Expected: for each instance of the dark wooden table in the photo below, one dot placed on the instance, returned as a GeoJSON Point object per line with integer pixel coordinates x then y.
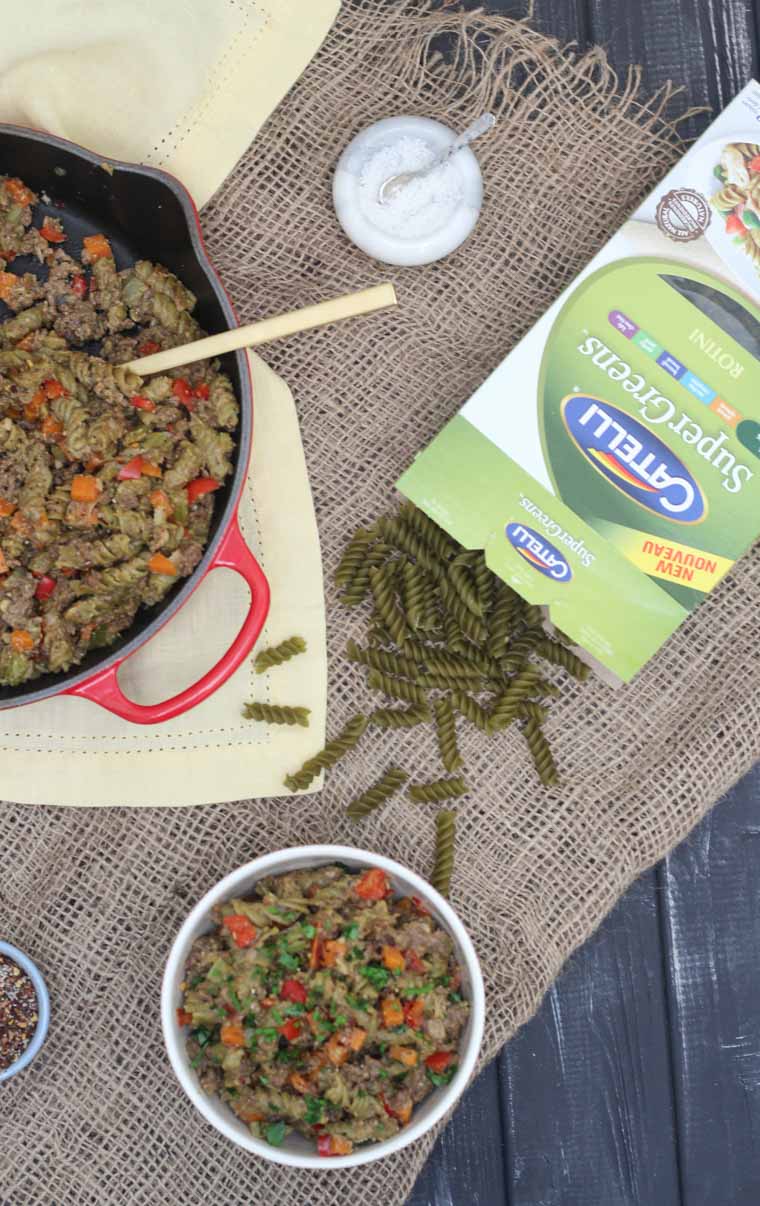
{"type": "Point", "coordinates": [638, 1083]}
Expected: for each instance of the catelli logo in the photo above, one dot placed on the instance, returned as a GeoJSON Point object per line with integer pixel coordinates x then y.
{"type": "Point", "coordinates": [538, 552]}
{"type": "Point", "coordinates": [633, 459]}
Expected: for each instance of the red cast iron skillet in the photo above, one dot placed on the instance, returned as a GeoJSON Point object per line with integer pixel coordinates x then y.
{"type": "Point", "coordinates": [145, 214]}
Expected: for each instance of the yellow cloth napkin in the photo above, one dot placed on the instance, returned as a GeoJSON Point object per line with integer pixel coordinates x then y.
{"type": "Point", "coordinates": [178, 84]}
{"type": "Point", "coordinates": [184, 87]}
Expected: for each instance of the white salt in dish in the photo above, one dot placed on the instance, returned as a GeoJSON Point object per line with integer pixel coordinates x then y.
{"type": "Point", "coordinates": [429, 218]}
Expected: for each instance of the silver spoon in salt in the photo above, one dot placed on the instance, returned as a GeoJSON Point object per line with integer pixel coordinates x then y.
{"type": "Point", "coordinates": [391, 187]}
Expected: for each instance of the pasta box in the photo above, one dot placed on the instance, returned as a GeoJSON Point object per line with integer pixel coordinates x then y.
{"type": "Point", "coordinates": [610, 465]}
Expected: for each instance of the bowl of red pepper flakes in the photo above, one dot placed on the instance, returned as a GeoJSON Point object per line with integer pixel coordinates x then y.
{"type": "Point", "coordinates": [24, 1010]}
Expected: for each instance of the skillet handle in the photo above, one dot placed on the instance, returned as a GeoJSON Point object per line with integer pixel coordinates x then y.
{"type": "Point", "coordinates": [104, 689]}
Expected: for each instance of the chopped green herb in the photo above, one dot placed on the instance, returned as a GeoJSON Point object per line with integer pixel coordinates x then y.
{"type": "Point", "coordinates": [202, 1035]}
{"type": "Point", "coordinates": [288, 961]}
{"type": "Point", "coordinates": [422, 991]}
{"type": "Point", "coordinates": [443, 981]}
{"type": "Point", "coordinates": [235, 999]}
{"type": "Point", "coordinates": [194, 1062]}
{"type": "Point", "coordinates": [315, 1107]}
{"type": "Point", "coordinates": [441, 1078]}
{"type": "Point", "coordinates": [196, 981]}
{"type": "Point", "coordinates": [378, 976]}
{"type": "Point", "coordinates": [274, 1133]}
{"type": "Point", "coordinates": [277, 1017]}
{"type": "Point", "coordinates": [264, 1080]}
{"type": "Point", "coordinates": [455, 997]}
{"type": "Point", "coordinates": [309, 930]}
{"type": "Point", "coordinates": [351, 931]}
{"type": "Point", "coordinates": [341, 1020]}
{"type": "Point", "coordinates": [293, 1009]}
{"type": "Point", "coordinates": [266, 1032]}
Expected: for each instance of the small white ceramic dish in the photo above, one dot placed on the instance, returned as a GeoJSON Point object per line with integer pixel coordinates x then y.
{"type": "Point", "coordinates": [43, 1009]}
{"type": "Point", "coordinates": [297, 1151]}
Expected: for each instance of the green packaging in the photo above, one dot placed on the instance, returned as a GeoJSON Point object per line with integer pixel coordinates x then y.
{"type": "Point", "coordinates": [610, 466]}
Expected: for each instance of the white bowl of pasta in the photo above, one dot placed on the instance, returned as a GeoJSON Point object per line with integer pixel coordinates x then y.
{"type": "Point", "coordinates": [323, 1007]}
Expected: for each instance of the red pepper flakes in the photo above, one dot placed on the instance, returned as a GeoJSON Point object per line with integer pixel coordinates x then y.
{"type": "Point", "coordinates": [18, 1012]}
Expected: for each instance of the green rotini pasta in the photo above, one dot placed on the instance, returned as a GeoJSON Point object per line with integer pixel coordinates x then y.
{"type": "Point", "coordinates": [540, 752]}
{"type": "Point", "coordinates": [277, 713]}
{"type": "Point", "coordinates": [383, 586]}
{"type": "Point", "coordinates": [441, 545]}
{"type": "Point", "coordinates": [377, 795]}
{"type": "Point", "coordinates": [395, 688]}
{"type": "Point", "coordinates": [415, 594]}
{"type": "Point", "coordinates": [335, 749]}
{"type": "Point", "coordinates": [400, 718]}
{"type": "Point", "coordinates": [464, 585]}
{"type": "Point", "coordinates": [267, 659]}
{"type": "Point", "coordinates": [445, 839]}
{"type": "Point", "coordinates": [102, 522]}
{"type": "Point", "coordinates": [520, 688]}
{"type": "Point", "coordinates": [447, 734]}
{"type": "Point", "coordinates": [381, 659]}
{"type": "Point", "coordinates": [354, 556]}
{"type": "Point", "coordinates": [472, 710]}
{"type": "Point", "coordinates": [558, 655]}
{"type": "Point", "coordinates": [437, 790]}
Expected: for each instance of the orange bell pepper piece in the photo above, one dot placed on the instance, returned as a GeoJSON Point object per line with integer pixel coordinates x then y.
{"type": "Point", "coordinates": [159, 564]}
{"type": "Point", "coordinates": [85, 488]}
{"type": "Point", "coordinates": [405, 1055]}
{"type": "Point", "coordinates": [232, 1034]}
{"type": "Point", "coordinates": [392, 1011]}
{"type": "Point", "coordinates": [6, 507]}
{"type": "Point", "coordinates": [97, 247]}
{"type": "Point", "coordinates": [8, 280]}
{"type": "Point", "coordinates": [333, 950]}
{"type": "Point", "coordinates": [393, 959]}
{"type": "Point", "coordinates": [51, 427]}
{"type": "Point", "coordinates": [34, 406]}
{"type": "Point", "coordinates": [21, 641]}
{"type": "Point", "coordinates": [357, 1038]}
{"type": "Point", "coordinates": [18, 191]}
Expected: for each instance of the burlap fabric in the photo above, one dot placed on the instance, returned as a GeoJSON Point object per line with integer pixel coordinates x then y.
{"type": "Point", "coordinates": [97, 896]}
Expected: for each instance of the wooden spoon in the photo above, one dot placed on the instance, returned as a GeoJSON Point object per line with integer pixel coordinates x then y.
{"type": "Point", "coordinates": [351, 305]}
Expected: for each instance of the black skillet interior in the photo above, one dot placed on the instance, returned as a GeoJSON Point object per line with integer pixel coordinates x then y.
{"type": "Point", "coordinates": [143, 217]}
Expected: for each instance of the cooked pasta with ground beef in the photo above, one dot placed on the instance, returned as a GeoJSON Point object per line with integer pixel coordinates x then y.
{"type": "Point", "coordinates": [107, 480]}
{"type": "Point", "coordinates": [323, 1005]}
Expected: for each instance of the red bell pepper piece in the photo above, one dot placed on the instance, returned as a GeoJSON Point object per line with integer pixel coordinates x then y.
{"type": "Point", "coordinates": [141, 403]}
{"type": "Point", "coordinates": [131, 470]}
{"type": "Point", "coordinates": [293, 990]}
{"type": "Point", "coordinates": [45, 587]}
{"type": "Point", "coordinates": [183, 392]}
{"type": "Point", "coordinates": [439, 1061]}
{"type": "Point", "coordinates": [372, 885]}
{"type": "Point", "coordinates": [202, 390]}
{"type": "Point", "coordinates": [413, 961]}
{"type": "Point", "coordinates": [242, 929]}
{"type": "Point", "coordinates": [79, 285]}
{"type": "Point", "coordinates": [183, 1017]}
{"type": "Point", "coordinates": [414, 1012]}
{"type": "Point", "coordinates": [149, 347]}
{"type": "Point", "coordinates": [51, 232]}
{"type": "Point", "coordinates": [202, 485]}
{"type": "Point", "coordinates": [290, 1030]}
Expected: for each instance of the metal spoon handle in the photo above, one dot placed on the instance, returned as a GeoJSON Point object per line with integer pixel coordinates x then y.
{"type": "Point", "coordinates": [481, 125]}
